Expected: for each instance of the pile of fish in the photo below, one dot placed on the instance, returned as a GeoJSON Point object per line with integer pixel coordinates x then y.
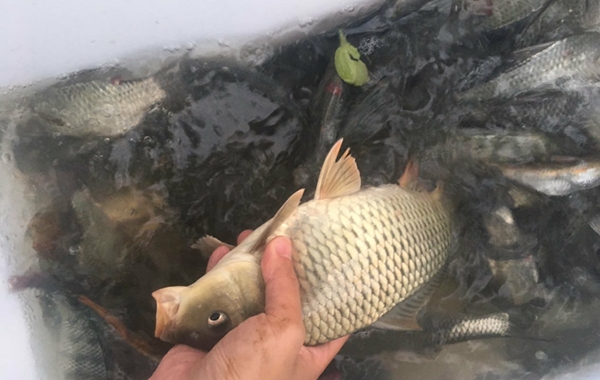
{"type": "Point", "coordinates": [463, 206]}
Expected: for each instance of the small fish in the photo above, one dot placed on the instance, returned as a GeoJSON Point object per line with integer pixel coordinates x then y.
{"type": "Point", "coordinates": [497, 14]}
{"type": "Point", "coordinates": [329, 109]}
{"type": "Point", "coordinates": [573, 111]}
{"type": "Point", "coordinates": [561, 177]}
{"type": "Point", "coordinates": [576, 57]}
{"type": "Point", "coordinates": [560, 18]}
{"type": "Point", "coordinates": [438, 329]}
{"type": "Point", "coordinates": [460, 328]}
{"type": "Point", "coordinates": [79, 349]}
{"type": "Point", "coordinates": [357, 254]}
{"type": "Point", "coordinates": [497, 147]}
{"type": "Point", "coordinates": [97, 108]}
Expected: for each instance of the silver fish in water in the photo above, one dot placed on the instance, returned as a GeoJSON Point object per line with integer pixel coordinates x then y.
{"type": "Point", "coordinates": [497, 14]}
{"type": "Point", "coordinates": [573, 57]}
{"type": "Point", "coordinates": [560, 18]}
{"type": "Point", "coordinates": [497, 147]}
{"type": "Point", "coordinates": [438, 330]}
{"type": "Point", "coordinates": [357, 254]}
{"type": "Point", "coordinates": [556, 178]}
{"type": "Point", "coordinates": [97, 108]}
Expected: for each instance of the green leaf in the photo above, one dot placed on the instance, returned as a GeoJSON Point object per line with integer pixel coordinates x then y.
{"type": "Point", "coordinates": [348, 64]}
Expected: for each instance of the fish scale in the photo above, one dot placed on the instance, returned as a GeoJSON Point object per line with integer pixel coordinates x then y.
{"type": "Point", "coordinates": [575, 56]}
{"type": "Point", "coordinates": [97, 107]}
{"type": "Point", "coordinates": [392, 241]}
{"type": "Point", "coordinates": [358, 253]}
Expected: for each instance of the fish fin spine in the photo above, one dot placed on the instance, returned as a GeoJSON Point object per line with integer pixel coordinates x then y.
{"type": "Point", "coordinates": [207, 245]}
{"type": "Point", "coordinates": [281, 216]}
{"type": "Point", "coordinates": [338, 177]}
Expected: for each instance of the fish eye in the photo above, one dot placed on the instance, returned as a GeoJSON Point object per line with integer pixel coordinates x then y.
{"type": "Point", "coordinates": [217, 318]}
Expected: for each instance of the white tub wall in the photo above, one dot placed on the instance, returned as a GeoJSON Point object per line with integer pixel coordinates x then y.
{"type": "Point", "coordinates": [44, 39]}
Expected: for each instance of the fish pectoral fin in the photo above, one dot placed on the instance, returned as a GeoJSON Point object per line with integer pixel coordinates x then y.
{"type": "Point", "coordinates": [167, 305]}
{"type": "Point", "coordinates": [338, 178]}
{"type": "Point", "coordinates": [284, 212]}
{"type": "Point", "coordinates": [404, 316]}
{"type": "Point", "coordinates": [410, 179]}
{"type": "Point", "coordinates": [207, 245]}
{"type": "Point", "coordinates": [397, 323]}
{"type": "Point", "coordinates": [410, 176]}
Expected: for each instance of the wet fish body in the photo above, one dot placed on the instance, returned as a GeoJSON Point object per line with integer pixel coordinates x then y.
{"type": "Point", "coordinates": [358, 253]}
{"type": "Point", "coordinates": [560, 18]}
{"type": "Point", "coordinates": [497, 14]}
{"type": "Point", "coordinates": [78, 339]}
{"type": "Point", "coordinates": [574, 57]}
{"type": "Point", "coordinates": [460, 328]}
{"type": "Point", "coordinates": [438, 330]}
{"type": "Point", "coordinates": [558, 178]}
{"type": "Point", "coordinates": [329, 110]}
{"type": "Point", "coordinates": [497, 147]}
{"type": "Point", "coordinates": [97, 108]}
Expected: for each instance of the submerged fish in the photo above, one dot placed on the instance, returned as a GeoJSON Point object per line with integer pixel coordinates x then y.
{"type": "Point", "coordinates": [97, 107]}
{"type": "Point", "coordinates": [560, 18]}
{"type": "Point", "coordinates": [497, 14]}
{"type": "Point", "coordinates": [498, 147]}
{"type": "Point", "coordinates": [357, 253]}
{"type": "Point", "coordinates": [556, 178]}
{"type": "Point", "coordinates": [576, 56]}
{"type": "Point", "coordinates": [329, 110]}
{"type": "Point", "coordinates": [574, 111]}
{"type": "Point", "coordinates": [438, 330]}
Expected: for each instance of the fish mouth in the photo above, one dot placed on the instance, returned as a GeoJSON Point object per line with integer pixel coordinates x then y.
{"type": "Point", "coordinates": [167, 305]}
{"type": "Point", "coordinates": [162, 322]}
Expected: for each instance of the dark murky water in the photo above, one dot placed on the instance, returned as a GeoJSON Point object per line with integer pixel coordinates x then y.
{"type": "Point", "coordinates": [115, 217]}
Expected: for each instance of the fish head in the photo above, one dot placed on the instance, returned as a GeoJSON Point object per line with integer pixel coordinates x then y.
{"type": "Point", "coordinates": [201, 314]}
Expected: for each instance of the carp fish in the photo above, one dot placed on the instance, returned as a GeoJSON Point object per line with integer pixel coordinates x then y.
{"type": "Point", "coordinates": [363, 256]}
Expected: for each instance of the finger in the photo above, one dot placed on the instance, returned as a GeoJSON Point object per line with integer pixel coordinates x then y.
{"type": "Point", "coordinates": [282, 298]}
{"type": "Point", "coordinates": [243, 235]}
{"type": "Point", "coordinates": [177, 363]}
{"type": "Point", "coordinates": [319, 357]}
{"type": "Point", "coordinates": [216, 256]}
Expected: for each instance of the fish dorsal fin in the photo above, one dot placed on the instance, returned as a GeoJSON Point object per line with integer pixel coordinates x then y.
{"type": "Point", "coordinates": [207, 245]}
{"type": "Point", "coordinates": [284, 212]}
{"type": "Point", "coordinates": [167, 305]}
{"type": "Point", "coordinates": [338, 178]}
{"type": "Point", "coordinates": [404, 315]}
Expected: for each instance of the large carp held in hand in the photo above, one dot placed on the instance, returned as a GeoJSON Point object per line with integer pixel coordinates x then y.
{"type": "Point", "coordinates": [370, 256]}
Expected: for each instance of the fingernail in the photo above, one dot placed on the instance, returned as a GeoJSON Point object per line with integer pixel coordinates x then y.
{"type": "Point", "coordinates": [282, 248]}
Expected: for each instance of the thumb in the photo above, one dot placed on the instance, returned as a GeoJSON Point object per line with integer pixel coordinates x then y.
{"type": "Point", "coordinates": [281, 284]}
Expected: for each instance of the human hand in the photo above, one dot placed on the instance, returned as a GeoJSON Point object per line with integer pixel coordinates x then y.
{"type": "Point", "coordinates": [267, 346]}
